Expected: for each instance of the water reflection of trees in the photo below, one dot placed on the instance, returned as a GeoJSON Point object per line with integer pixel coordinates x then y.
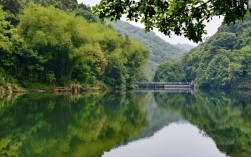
{"type": "Point", "coordinates": [50, 125]}
{"type": "Point", "coordinates": [226, 117]}
{"type": "Point", "coordinates": [88, 125]}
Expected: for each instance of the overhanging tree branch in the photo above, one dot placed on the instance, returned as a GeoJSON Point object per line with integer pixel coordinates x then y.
{"type": "Point", "coordinates": [183, 17]}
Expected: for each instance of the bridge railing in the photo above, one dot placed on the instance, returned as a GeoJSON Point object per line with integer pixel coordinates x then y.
{"type": "Point", "coordinates": [163, 83]}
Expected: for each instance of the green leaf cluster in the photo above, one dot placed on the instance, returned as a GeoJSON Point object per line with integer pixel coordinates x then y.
{"type": "Point", "coordinates": [183, 17]}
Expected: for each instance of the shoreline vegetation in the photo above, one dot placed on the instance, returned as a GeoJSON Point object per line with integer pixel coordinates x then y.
{"type": "Point", "coordinates": [50, 47]}
{"type": "Point", "coordinates": [67, 89]}
{"type": "Point", "coordinates": [78, 89]}
{"type": "Point", "coordinates": [72, 89]}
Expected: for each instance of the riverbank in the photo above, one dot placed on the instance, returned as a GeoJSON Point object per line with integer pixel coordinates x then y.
{"type": "Point", "coordinates": [73, 88]}
{"type": "Point", "coordinates": [76, 88]}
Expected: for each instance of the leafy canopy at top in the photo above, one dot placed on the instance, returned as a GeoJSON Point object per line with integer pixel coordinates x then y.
{"type": "Point", "coordinates": [183, 17]}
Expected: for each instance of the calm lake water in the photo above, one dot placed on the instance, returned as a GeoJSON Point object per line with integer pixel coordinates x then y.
{"type": "Point", "coordinates": [130, 124]}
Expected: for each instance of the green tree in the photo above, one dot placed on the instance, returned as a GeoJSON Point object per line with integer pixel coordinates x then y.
{"type": "Point", "coordinates": [61, 4]}
{"type": "Point", "coordinates": [69, 48]}
{"type": "Point", "coordinates": [217, 71]}
{"type": "Point", "coordinates": [224, 40]}
{"type": "Point", "coordinates": [85, 12]}
{"type": "Point", "coordinates": [169, 72]}
{"type": "Point", "coordinates": [58, 38]}
{"type": "Point", "coordinates": [15, 57]}
{"type": "Point", "coordinates": [178, 16]}
{"type": "Point", "coordinates": [13, 8]}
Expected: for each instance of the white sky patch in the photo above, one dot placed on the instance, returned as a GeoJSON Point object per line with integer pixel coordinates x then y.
{"type": "Point", "coordinates": [89, 2]}
{"type": "Point", "coordinates": [211, 27]}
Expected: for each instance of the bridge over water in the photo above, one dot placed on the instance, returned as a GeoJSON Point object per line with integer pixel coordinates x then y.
{"type": "Point", "coordinates": [165, 85]}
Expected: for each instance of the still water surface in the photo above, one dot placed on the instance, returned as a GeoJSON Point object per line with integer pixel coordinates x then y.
{"type": "Point", "coordinates": [131, 124]}
{"type": "Point", "coordinates": [176, 139]}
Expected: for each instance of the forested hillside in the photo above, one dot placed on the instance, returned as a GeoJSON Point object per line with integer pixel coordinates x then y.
{"type": "Point", "coordinates": [41, 44]}
{"type": "Point", "coordinates": [161, 51]}
{"type": "Point", "coordinates": [224, 61]}
{"type": "Point", "coordinates": [185, 47]}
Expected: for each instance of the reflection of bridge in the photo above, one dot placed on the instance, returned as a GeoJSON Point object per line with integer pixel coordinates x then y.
{"type": "Point", "coordinates": [165, 85]}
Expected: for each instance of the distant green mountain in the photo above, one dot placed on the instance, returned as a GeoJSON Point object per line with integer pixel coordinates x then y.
{"type": "Point", "coordinates": [161, 51]}
{"type": "Point", "coordinates": [185, 47]}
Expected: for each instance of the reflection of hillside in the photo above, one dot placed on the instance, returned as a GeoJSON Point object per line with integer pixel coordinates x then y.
{"type": "Point", "coordinates": [42, 124]}
{"type": "Point", "coordinates": [223, 116]}
{"type": "Point", "coordinates": [57, 125]}
{"type": "Point", "coordinates": [49, 125]}
{"type": "Point", "coordinates": [157, 117]}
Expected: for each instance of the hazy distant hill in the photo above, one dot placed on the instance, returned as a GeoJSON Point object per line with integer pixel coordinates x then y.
{"type": "Point", "coordinates": [161, 50]}
{"type": "Point", "coordinates": [185, 47]}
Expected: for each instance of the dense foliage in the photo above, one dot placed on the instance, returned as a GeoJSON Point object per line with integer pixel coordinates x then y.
{"type": "Point", "coordinates": [161, 51]}
{"type": "Point", "coordinates": [14, 7]}
{"type": "Point", "coordinates": [57, 47]}
{"type": "Point", "coordinates": [171, 71]}
{"type": "Point", "coordinates": [223, 61]}
{"type": "Point", "coordinates": [182, 17]}
{"type": "Point", "coordinates": [10, 48]}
